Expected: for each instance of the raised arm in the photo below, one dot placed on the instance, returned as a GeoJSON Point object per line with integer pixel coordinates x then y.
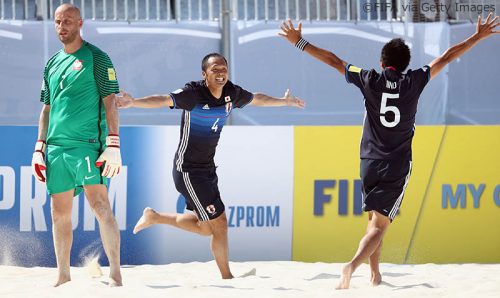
{"type": "Point", "coordinates": [483, 31]}
{"type": "Point", "coordinates": [263, 100]}
{"type": "Point", "coordinates": [152, 101]}
{"type": "Point", "coordinates": [294, 36]}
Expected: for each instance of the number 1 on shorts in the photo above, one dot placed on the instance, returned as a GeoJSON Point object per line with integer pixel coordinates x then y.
{"type": "Point", "coordinates": [88, 162]}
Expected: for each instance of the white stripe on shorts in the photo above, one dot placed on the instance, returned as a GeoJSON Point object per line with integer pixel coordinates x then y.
{"type": "Point", "coordinates": [395, 208]}
{"type": "Point", "coordinates": [199, 207]}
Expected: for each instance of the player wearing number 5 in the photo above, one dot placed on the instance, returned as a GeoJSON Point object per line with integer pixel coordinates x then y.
{"type": "Point", "coordinates": [79, 129]}
{"type": "Point", "coordinates": [206, 104]}
{"type": "Point", "coordinates": [391, 98]}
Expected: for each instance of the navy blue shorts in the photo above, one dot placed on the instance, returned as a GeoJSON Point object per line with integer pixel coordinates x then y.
{"type": "Point", "coordinates": [383, 184]}
{"type": "Point", "coordinates": [200, 189]}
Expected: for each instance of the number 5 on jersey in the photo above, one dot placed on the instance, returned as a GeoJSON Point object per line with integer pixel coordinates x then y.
{"type": "Point", "coordinates": [384, 108]}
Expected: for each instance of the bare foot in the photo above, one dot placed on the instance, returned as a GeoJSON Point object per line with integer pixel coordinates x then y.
{"type": "Point", "coordinates": [230, 276]}
{"type": "Point", "coordinates": [115, 279]}
{"type": "Point", "coordinates": [376, 279]}
{"type": "Point", "coordinates": [345, 278]}
{"type": "Point", "coordinates": [145, 221]}
{"type": "Point", "coordinates": [62, 279]}
{"type": "Point", "coordinates": [115, 282]}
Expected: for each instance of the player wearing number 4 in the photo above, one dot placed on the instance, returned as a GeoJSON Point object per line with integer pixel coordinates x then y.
{"type": "Point", "coordinates": [206, 104]}
{"type": "Point", "coordinates": [391, 99]}
{"type": "Point", "coordinates": [78, 92]}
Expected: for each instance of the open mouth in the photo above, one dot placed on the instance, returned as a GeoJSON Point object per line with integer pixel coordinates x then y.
{"type": "Point", "coordinates": [220, 80]}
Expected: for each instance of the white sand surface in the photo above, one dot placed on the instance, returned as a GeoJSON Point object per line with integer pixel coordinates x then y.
{"type": "Point", "coordinates": [272, 279]}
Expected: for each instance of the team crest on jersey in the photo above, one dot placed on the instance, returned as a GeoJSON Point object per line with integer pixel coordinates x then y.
{"type": "Point", "coordinates": [78, 64]}
{"type": "Point", "coordinates": [211, 209]}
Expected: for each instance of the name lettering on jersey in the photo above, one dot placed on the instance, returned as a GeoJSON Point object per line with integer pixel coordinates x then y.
{"type": "Point", "coordinates": [77, 65]}
{"type": "Point", "coordinates": [391, 85]}
{"type": "Point", "coordinates": [206, 107]}
{"type": "Point", "coordinates": [111, 74]}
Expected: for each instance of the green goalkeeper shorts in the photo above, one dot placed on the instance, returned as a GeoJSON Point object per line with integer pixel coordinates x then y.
{"type": "Point", "coordinates": [72, 168]}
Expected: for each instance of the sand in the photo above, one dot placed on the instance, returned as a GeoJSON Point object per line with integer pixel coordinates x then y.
{"type": "Point", "coordinates": [271, 279]}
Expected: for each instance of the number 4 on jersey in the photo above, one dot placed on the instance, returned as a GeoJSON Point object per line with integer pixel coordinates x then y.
{"type": "Point", "coordinates": [215, 126]}
{"type": "Point", "coordinates": [384, 108]}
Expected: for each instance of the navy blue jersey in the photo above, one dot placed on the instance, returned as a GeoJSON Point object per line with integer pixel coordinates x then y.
{"type": "Point", "coordinates": [203, 118]}
{"type": "Point", "coordinates": [391, 100]}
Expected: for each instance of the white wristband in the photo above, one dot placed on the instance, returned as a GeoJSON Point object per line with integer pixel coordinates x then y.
{"type": "Point", "coordinates": [40, 146]}
{"type": "Point", "coordinates": [301, 44]}
{"type": "Point", "coordinates": [113, 141]}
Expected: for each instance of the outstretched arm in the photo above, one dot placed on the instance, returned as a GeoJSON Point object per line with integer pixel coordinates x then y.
{"type": "Point", "coordinates": [263, 100]}
{"type": "Point", "coordinates": [483, 31]}
{"type": "Point", "coordinates": [152, 101]}
{"type": "Point", "coordinates": [294, 36]}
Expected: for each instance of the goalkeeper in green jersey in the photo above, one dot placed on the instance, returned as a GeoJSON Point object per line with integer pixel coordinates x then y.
{"type": "Point", "coordinates": [78, 145]}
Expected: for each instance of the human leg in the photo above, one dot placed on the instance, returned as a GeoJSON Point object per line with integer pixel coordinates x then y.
{"type": "Point", "coordinates": [367, 246]}
{"type": "Point", "coordinates": [220, 245]}
{"type": "Point", "coordinates": [188, 222]}
{"type": "Point", "coordinates": [97, 196]}
{"type": "Point", "coordinates": [376, 277]}
{"type": "Point", "coordinates": [61, 205]}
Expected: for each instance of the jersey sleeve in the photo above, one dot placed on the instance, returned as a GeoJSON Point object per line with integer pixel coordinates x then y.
{"type": "Point", "coordinates": [45, 92]}
{"type": "Point", "coordinates": [358, 76]}
{"type": "Point", "coordinates": [184, 98]}
{"type": "Point", "coordinates": [420, 78]}
{"type": "Point", "coordinates": [241, 97]}
{"type": "Point", "coordinates": [105, 75]}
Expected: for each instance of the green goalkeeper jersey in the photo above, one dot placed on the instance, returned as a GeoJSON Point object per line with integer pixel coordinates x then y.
{"type": "Point", "coordinates": [74, 86]}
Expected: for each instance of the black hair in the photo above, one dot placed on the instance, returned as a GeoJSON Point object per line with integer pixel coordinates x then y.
{"type": "Point", "coordinates": [204, 62]}
{"type": "Point", "coordinates": [396, 53]}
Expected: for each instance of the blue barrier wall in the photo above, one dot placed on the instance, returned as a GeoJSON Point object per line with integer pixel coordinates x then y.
{"type": "Point", "coordinates": [259, 218]}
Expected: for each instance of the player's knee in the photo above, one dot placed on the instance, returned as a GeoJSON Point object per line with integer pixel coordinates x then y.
{"type": "Point", "coordinates": [380, 221]}
{"type": "Point", "coordinates": [60, 212]}
{"type": "Point", "coordinates": [378, 230]}
{"type": "Point", "coordinates": [205, 230]}
{"type": "Point", "coordinates": [59, 215]}
{"type": "Point", "coordinates": [219, 225]}
{"type": "Point", "coordinates": [102, 211]}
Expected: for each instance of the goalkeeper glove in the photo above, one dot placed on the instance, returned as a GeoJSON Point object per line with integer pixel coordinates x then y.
{"type": "Point", "coordinates": [111, 157]}
{"type": "Point", "coordinates": [38, 161]}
